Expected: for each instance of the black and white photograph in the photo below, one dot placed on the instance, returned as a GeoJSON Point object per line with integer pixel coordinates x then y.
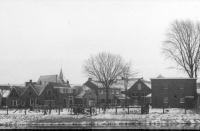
{"type": "Point", "coordinates": [100, 64]}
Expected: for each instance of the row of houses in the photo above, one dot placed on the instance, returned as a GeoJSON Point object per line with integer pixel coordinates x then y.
{"type": "Point", "coordinates": [54, 90]}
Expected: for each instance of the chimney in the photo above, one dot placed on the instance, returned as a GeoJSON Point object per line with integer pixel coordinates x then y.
{"type": "Point", "coordinates": [89, 79]}
{"type": "Point", "coordinates": [30, 81]}
{"type": "Point", "coordinates": [67, 82]}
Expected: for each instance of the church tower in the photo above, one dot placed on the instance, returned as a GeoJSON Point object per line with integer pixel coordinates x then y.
{"type": "Point", "coordinates": [61, 75]}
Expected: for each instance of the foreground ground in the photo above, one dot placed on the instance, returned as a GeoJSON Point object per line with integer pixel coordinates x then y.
{"type": "Point", "coordinates": [155, 116]}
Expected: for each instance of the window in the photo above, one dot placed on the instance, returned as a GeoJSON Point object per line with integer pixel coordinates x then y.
{"type": "Point", "coordinates": [135, 96]}
{"type": "Point", "coordinates": [182, 100]}
{"type": "Point", "coordinates": [22, 102]}
{"type": "Point", "coordinates": [165, 85]}
{"type": "Point", "coordinates": [181, 86]}
{"type": "Point", "coordinates": [144, 96]}
{"type": "Point", "coordinates": [36, 101]}
{"type": "Point", "coordinates": [112, 91]}
{"type": "Point", "coordinates": [100, 91]}
{"type": "Point", "coordinates": [49, 92]}
{"type": "Point", "coordinates": [15, 102]}
{"type": "Point", "coordinates": [117, 91]}
{"type": "Point", "coordinates": [165, 99]}
{"type": "Point", "coordinates": [31, 101]}
{"type": "Point", "coordinates": [63, 90]}
{"type": "Point", "coordinates": [69, 90]}
{"type": "Point", "coordinates": [11, 103]}
{"type": "Point", "coordinates": [139, 87]}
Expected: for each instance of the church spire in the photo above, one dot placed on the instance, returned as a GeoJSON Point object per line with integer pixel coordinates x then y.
{"type": "Point", "coordinates": [61, 75]}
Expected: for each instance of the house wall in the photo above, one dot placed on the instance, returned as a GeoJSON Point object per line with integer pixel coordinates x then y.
{"type": "Point", "coordinates": [58, 95]}
{"type": "Point", "coordinates": [89, 95]}
{"type": "Point", "coordinates": [13, 96]}
{"type": "Point", "coordinates": [173, 93]}
{"type": "Point", "coordinates": [134, 88]}
{"type": "Point", "coordinates": [44, 96]}
{"type": "Point", "coordinates": [110, 96]}
{"type": "Point", "coordinates": [27, 96]}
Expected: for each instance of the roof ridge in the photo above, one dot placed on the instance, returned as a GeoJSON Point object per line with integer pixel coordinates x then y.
{"type": "Point", "coordinates": [49, 75]}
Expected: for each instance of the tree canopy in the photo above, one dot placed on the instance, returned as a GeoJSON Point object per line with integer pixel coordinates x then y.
{"type": "Point", "coordinates": [182, 46]}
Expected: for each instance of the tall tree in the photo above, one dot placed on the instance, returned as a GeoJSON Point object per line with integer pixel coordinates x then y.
{"type": "Point", "coordinates": [127, 73]}
{"type": "Point", "coordinates": [105, 68]}
{"type": "Point", "coordinates": [182, 46]}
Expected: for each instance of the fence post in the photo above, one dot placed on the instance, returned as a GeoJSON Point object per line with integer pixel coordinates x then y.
{"type": "Point", "coordinates": [128, 109]}
{"type": "Point", "coordinates": [7, 109]}
{"type": "Point", "coordinates": [59, 111]}
{"type": "Point", "coordinates": [185, 108]}
{"type": "Point", "coordinates": [163, 107]}
{"type": "Point", "coordinates": [116, 110]}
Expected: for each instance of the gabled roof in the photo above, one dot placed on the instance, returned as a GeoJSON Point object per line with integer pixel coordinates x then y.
{"type": "Point", "coordinates": [19, 89]}
{"type": "Point", "coordinates": [60, 85]}
{"type": "Point", "coordinates": [119, 84]}
{"type": "Point", "coordinates": [81, 94]}
{"type": "Point", "coordinates": [91, 85]}
{"type": "Point", "coordinates": [147, 83]}
{"type": "Point", "coordinates": [5, 93]}
{"type": "Point", "coordinates": [32, 86]}
{"type": "Point", "coordinates": [160, 76]}
{"type": "Point", "coordinates": [132, 82]}
{"type": "Point", "coordinates": [50, 78]}
{"type": "Point", "coordinates": [5, 87]}
{"type": "Point", "coordinates": [38, 88]}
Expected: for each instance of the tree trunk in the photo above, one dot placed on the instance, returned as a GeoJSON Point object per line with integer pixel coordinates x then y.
{"type": "Point", "coordinates": [106, 102]}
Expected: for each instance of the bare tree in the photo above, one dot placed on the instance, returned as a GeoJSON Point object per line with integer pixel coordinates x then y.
{"type": "Point", "coordinates": [105, 68]}
{"type": "Point", "coordinates": [127, 73]}
{"type": "Point", "coordinates": [182, 46]}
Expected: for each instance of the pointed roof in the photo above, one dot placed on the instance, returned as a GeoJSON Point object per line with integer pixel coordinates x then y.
{"type": "Point", "coordinates": [50, 78]}
{"type": "Point", "coordinates": [5, 93]}
{"type": "Point", "coordinates": [60, 85]}
{"type": "Point", "coordinates": [19, 89]}
{"type": "Point", "coordinates": [38, 88]}
{"type": "Point", "coordinates": [61, 75]}
{"type": "Point", "coordinates": [81, 94]}
{"type": "Point", "coordinates": [160, 76]}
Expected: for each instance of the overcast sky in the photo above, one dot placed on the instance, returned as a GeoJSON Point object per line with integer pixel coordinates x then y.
{"type": "Point", "coordinates": [38, 36]}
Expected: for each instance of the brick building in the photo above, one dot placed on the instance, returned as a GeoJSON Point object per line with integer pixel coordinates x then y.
{"type": "Point", "coordinates": [137, 90]}
{"type": "Point", "coordinates": [115, 95]}
{"type": "Point", "coordinates": [173, 92]}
